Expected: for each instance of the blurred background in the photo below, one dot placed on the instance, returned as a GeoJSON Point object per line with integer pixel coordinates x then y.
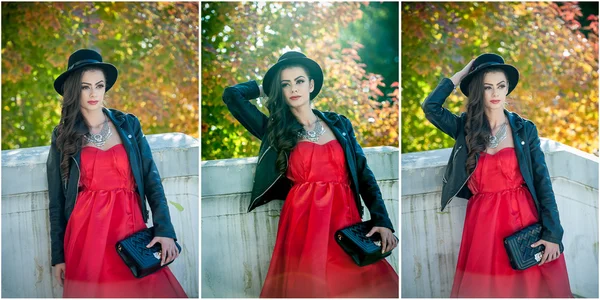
{"type": "Point", "coordinates": [153, 45]}
{"type": "Point", "coordinates": [554, 46]}
{"type": "Point", "coordinates": [356, 44]}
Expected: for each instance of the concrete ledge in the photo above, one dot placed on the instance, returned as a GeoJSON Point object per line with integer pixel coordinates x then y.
{"type": "Point", "coordinates": [228, 176]}
{"type": "Point", "coordinates": [422, 171]}
{"type": "Point", "coordinates": [173, 154]}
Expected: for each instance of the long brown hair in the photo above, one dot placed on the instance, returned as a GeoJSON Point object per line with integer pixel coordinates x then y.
{"type": "Point", "coordinates": [72, 127]}
{"type": "Point", "coordinates": [477, 128]}
{"type": "Point", "coordinates": [283, 127]}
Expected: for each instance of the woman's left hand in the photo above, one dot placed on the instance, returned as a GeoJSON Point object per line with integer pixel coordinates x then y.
{"type": "Point", "coordinates": [388, 240]}
{"type": "Point", "coordinates": [551, 251]}
{"type": "Point", "coordinates": [169, 251]}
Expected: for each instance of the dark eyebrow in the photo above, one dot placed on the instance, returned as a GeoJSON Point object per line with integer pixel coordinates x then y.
{"type": "Point", "coordinates": [90, 83]}
{"type": "Point", "coordinates": [496, 84]}
{"type": "Point", "coordinates": [294, 79]}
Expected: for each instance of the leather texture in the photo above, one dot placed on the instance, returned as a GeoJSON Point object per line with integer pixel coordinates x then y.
{"type": "Point", "coordinates": [142, 261]}
{"type": "Point", "coordinates": [147, 179]}
{"type": "Point", "coordinates": [363, 250]}
{"type": "Point", "coordinates": [518, 246]}
{"type": "Point", "coordinates": [530, 156]}
{"type": "Point", "coordinates": [270, 184]}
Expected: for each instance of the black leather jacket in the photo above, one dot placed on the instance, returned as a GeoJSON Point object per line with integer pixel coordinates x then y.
{"type": "Point", "coordinates": [530, 157]}
{"type": "Point", "coordinates": [149, 186]}
{"type": "Point", "coordinates": [270, 184]}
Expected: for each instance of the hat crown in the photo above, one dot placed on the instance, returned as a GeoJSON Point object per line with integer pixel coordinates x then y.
{"type": "Point", "coordinates": [84, 54]}
{"type": "Point", "coordinates": [291, 54]}
{"type": "Point", "coordinates": [486, 59]}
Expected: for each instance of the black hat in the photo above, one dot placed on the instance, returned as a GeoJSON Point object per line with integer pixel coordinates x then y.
{"type": "Point", "coordinates": [293, 58]}
{"type": "Point", "coordinates": [85, 58]}
{"type": "Point", "coordinates": [490, 60]}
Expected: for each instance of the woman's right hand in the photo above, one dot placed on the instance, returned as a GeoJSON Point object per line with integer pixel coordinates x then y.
{"type": "Point", "coordinates": [59, 273]}
{"type": "Point", "coordinates": [458, 77]}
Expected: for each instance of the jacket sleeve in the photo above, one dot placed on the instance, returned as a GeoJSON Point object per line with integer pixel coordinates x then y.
{"type": "Point", "coordinates": [552, 230]}
{"type": "Point", "coordinates": [367, 184]}
{"type": "Point", "coordinates": [56, 206]}
{"type": "Point", "coordinates": [439, 116]}
{"type": "Point", "coordinates": [237, 100]}
{"type": "Point", "coordinates": [153, 187]}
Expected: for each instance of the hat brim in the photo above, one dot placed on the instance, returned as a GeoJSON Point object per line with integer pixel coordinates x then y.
{"type": "Point", "coordinates": [110, 72]}
{"type": "Point", "coordinates": [511, 72]}
{"type": "Point", "coordinates": [316, 73]}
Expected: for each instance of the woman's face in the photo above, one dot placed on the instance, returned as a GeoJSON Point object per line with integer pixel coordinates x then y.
{"type": "Point", "coordinates": [495, 88]}
{"type": "Point", "coordinates": [296, 86]}
{"type": "Point", "coordinates": [93, 86]}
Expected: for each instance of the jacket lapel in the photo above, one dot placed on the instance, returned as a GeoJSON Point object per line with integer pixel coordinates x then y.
{"type": "Point", "coordinates": [342, 136]}
{"type": "Point", "coordinates": [516, 124]}
{"type": "Point", "coordinates": [339, 135]}
{"type": "Point", "coordinates": [129, 147]}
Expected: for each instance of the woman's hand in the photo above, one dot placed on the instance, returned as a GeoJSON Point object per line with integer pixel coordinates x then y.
{"type": "Point", "coordinates": [388, 241]}
{"type": "Point", "coordinates": [458, 77]}
{"type": "Point", "coordinates": [551, 251]}
{"type": "Point", "coordinates": [59, 273]}
{"type": "Point", "coordinates": [169, 251]}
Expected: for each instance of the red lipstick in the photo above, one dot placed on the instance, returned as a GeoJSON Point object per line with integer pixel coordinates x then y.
{"type": "Point", "coordinates": [294, 97]}
{"type": "Point", "coordinates": [495, 101]}
{"type": "Point", "coordinates": [93, 102]}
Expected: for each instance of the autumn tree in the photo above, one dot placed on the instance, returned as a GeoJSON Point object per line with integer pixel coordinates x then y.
{"type": "Point", "coordinates": [240, 41]}
{"type": "Point", "coordinates": [558, 65]}
{"type": "Point", "coordinates": [153, 45]}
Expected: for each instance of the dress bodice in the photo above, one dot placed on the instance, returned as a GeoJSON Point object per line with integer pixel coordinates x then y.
{"type": "Point", "coordinates": [105, 170]}
{"type": "Point", "coordinates": [310, 162]}
{"type": "Point", "coordinates": [497, 172]}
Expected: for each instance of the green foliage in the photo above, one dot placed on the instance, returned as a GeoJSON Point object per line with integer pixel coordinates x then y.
{"type": "Point", "coordinates": [154, 46]}
{"type": "Point", "coordinates": [241, 40]}
{"type": "Point", "coordinates": [558, 89]}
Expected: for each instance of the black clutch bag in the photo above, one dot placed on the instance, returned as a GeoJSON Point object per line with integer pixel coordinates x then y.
{"type": "Point", "coordinates": [363, 250]}
{"type": "Point", "coordinates": [141, 261]}
{"type": "Point", "coordinates": [518, 247]}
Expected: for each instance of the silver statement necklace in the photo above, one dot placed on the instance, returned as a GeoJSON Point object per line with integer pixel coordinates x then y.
{"type": "Point", "coordinates": [495, 140]}
{"type": "Point", "coordinates": [99, 139]}
{"type": "Point", "coordinates": [312, 135]}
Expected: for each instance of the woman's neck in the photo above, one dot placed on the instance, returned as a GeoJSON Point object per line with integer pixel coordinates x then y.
{"type": "Point", "coordinates": [94, 118]}
{"type": "Point", "coordinates": [304, 115]}
{"type": "Point", "coordinates": [496, 117]}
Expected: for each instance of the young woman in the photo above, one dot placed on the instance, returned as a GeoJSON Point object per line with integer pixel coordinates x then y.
{"type": "Point", "coordinates": [497, 164]}
{"type": "Point", "coordinates": [100, 170]}
{"type": "Point", "coordinates": [313, 161]}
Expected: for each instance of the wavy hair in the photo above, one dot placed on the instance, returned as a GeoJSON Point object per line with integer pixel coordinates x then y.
{"type": "Point", "coordinates": [477, 128]}
{"type": "Point", "coordinates": [72, 127]}
{"type": "Point", "coordinates": [283, 127]}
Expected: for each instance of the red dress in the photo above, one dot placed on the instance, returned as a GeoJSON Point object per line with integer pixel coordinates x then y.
{"type": "Point", "coordinates": [307, 261]}
{"type": "Point", "coordinates": [501, 205]}
{"type": "Point", "coordinates": [106, 211]}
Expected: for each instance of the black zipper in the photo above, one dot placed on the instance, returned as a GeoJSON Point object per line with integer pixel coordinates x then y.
{"type": "Point", "coordinates": [458, 191]}
{"type": "Point", "coordinates": [286, 166]}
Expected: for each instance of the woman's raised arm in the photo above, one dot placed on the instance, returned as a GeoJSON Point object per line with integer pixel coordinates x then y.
{"type": "Point", "coordinates": [237, 100]}
{"type": "Point", "coordinates": [439, 116]}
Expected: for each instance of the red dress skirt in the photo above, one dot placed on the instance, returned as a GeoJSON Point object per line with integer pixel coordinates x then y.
{"type": "Point", "coordinates": [307, 261]}
{"type": "Point", "coordinates": [501, 205]}
{"type": "Point", "coordinates": [106, 211]}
